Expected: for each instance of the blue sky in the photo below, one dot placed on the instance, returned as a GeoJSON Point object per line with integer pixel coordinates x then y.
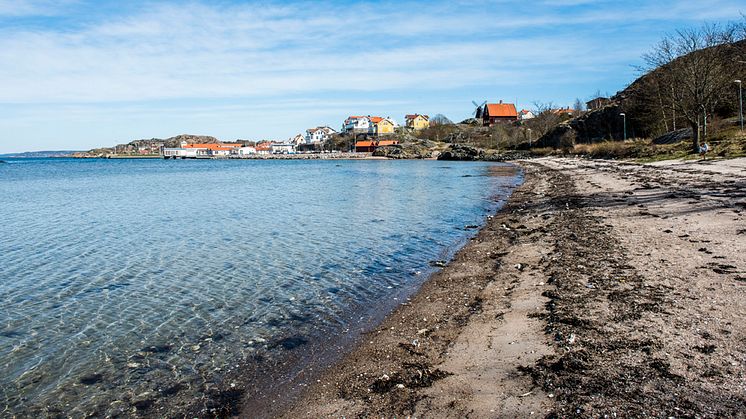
{"type": "Point", "coordinates": [81, 74]}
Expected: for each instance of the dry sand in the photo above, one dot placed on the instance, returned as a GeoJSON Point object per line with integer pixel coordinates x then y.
{"type": "Point", "coordinates": [602, 288]}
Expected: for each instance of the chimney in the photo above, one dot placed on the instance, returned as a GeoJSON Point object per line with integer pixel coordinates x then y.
{"type": "Point", "coordinates": [501, 102]}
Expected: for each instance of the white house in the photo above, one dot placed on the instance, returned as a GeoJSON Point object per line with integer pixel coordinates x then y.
{"type": "Point", "coordinates": [525, 114]}
{"type": "Point", "coordinates": [297, 140]}
{"type": "Point", "coordinates": [246, 151]}
{"type": "Point", "coordinates": [282, 148]}
{"type": "Point", "coordinates": [179, 153]}
{"type": "Point", "coordinates": [356, 124]}
{"type": "Point", "coordinates": [219, 151]}
{"type": "Point", "coordinates": [318, 134]}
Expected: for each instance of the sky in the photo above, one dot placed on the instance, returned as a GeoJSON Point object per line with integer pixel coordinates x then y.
{"type": "Point", "coordinates": [78, 74]}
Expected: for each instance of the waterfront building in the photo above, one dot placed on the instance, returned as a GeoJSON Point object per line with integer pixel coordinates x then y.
{"type": "Point", "coordinates": [178, 153]}
{"type": "Point", "coordinates": [371, 146]}
{"type": "Point", "coordinates": [264, 147]}
{"type": "Point", "coordinates": [245, 151]}
{"type": "Point", "coordinates": [282, 149]}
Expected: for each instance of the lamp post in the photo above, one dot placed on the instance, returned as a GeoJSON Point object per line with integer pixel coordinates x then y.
{"type": "Point", "coordinates": [624, 124]}
{"type": "Point", "coordinates": [529, 137]}
{"type": "Point", "coordinates": [740, 103]}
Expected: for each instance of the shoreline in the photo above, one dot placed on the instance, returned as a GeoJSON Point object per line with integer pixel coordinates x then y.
{"type": "Point", "coordinates": [279, 375]}
{"type": "Point", "coordinates": [571, 300]}
{"type": "Point", "coordinates": [407, 346]}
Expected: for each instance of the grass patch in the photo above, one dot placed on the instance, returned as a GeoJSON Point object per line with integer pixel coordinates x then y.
{"type": "Point", "coordinates": [726, 143]}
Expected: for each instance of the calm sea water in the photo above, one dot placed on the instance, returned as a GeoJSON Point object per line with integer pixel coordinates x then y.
{"type": "Point", "coordinates": [128, 277]}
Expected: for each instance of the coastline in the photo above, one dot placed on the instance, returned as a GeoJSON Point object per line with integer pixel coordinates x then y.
{"type": "Point", "coordinates": [310, 156]}
{"type": "Point", "coordinates": [394, 368]}
{"type": "Point", "coordinates": [590, 293]}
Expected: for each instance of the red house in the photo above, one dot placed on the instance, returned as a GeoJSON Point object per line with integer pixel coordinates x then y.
{"type": "Point", "coordinates": [371, 146]}
{"type": "Point", "coordinates": [497, 113]}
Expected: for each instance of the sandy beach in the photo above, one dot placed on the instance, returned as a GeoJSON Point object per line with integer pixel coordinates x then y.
{"type": "Point", "coordinates": [601, 288]}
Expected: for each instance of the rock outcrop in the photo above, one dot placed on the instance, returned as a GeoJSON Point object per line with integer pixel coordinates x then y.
{"type": "Point", "coordinates": [594, 126]}
{"type": "Point", "coordinates": [403, 151]}
{"type": "Point", "coordinates": [674, 137]}
{"type": "Point", "coordinates": [462, 152]}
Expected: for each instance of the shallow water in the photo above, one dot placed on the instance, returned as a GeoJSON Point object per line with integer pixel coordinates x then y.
{"type": "Point", "coordinates": [128, 277]}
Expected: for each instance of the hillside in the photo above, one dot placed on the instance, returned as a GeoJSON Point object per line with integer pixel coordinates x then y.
{"type": "Point", "coordinates": [651, 111]}
{"type": "Point", "coordinates": [145, 147]}
{"type": "Point", "coordinates": [39, 154]}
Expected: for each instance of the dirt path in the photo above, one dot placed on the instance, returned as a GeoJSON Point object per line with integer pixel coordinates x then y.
{"type": "Point", "coordinates": [600, 289]}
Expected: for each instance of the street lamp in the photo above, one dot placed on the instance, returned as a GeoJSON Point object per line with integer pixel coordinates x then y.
{"type": "Point", "coordinates": [624, 123]}
{"type": "Point", "coordinates": [740, 103]}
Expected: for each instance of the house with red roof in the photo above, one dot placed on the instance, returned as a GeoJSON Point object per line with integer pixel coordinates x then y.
{"type": "Point", "coordinates": [264, 147]}
{"type": "Point", "coordinates": [371, 146]}
{"type": "Point", "coordinates": [499, 113]}
{"type": "Point", "coordinates": [417, 121]}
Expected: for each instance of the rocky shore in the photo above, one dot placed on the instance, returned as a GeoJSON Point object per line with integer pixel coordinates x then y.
{"type": "Point", "coordinates": [601, 288]}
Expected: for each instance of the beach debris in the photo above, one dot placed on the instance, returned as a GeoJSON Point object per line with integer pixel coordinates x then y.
{"type": "Point", "coordinates": [520, 266]}
{"type": "Point", "coordinates": [527, 394]}
{"type": "Point", "coordinates": [438, 263]}
{"type": "Point", "coordinates": [571, 339]}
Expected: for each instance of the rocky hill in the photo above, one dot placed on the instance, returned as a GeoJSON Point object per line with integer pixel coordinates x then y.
{"type": "Point", "coordinates": [39, 154]}
{"type": "Point", "coordinates": [145, 147]}
{"type": "Point", "coordinates": [649, 112]}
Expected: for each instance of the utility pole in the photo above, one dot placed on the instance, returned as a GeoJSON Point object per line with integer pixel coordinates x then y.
{"type": "Point", "coordinates": [624, 123]}
{"type": "Point", "coordinates": [673, 106]}
{"type": "Point", "coordinates": [740, 103]}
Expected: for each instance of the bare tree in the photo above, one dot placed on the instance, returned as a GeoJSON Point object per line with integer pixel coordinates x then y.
{"type": "Point", "coordinates": [545, 119]}
{"type": "Point", "coordinates": [578, 107]}
{"type": "Point", "coordinates": [440, 119]}
{"type": "Point", "coordinates": [692, 73]}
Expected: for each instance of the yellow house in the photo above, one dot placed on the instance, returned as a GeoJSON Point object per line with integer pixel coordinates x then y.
{"type": "Point", "coordinates": [382, 125]}
{"type": "Point", "coordinates": [417, 121]}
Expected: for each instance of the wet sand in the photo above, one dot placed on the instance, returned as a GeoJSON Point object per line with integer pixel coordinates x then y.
{"type": "Point", "coordinates": [600, 288]}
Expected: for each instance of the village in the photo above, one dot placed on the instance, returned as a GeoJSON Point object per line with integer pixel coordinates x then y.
{"type": "Point", "coordinates": [363, 134]}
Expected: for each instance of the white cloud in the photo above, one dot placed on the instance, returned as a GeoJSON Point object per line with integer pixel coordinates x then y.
{"type": "Point", "coordinates": [199, 51]}
{"type": "Point", "coordinates": [323, 58]}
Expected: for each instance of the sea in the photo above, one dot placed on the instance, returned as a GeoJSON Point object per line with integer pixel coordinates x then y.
{"type": "Point", "coordinates": [128, 283]}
